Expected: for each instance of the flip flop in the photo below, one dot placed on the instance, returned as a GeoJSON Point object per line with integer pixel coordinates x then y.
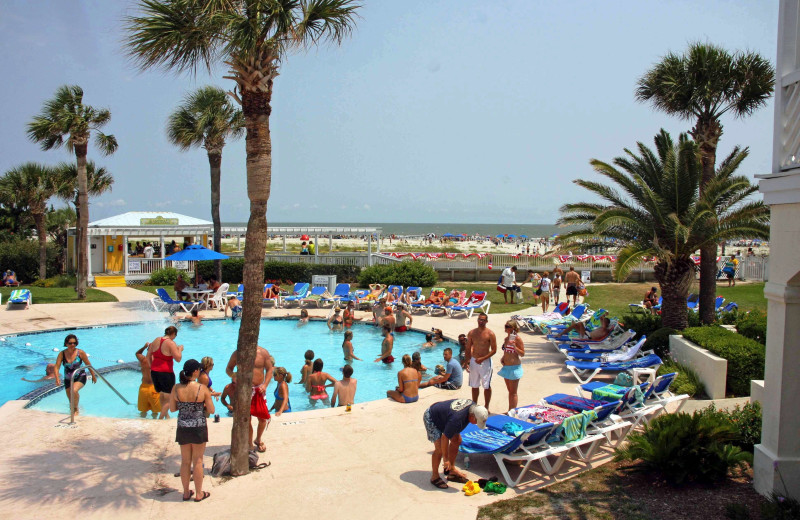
{"type": "Point", "coordinates": [261, 447]}
{"type": "Point", "coordinates": [206, 494]}
{"type": "Point", "coordinates": [191, 494]}
{"type": "Point", "coordinates": [457, 478]}
{"type": "Point", "coordinates": [439, 483]}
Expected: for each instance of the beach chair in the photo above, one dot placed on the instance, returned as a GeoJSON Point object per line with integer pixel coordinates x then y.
{"type": "Point", "coordinates": [410, 299]}
{"type": "Point", "coordinates": [165, 302]}
{"type": "Point", "coordinates": [341, 294]}
{"type": "Point", "coordinates": [477, 300]}
{"type": "Point", "coordinates": [13, 275]}
{"type": "Point", "coordinates": [580, 368]}
{"type": "Point", "coordinates": [626, 408]}
{"type": "Point", "coordinates": [421, 306]}
{"type": "Point", "coordinates": [692, 301]}
{"type": "Point", "coordinates": [616, 339]}
{"type": "Point", "coordinates": [592, 321]}
{"type": "Point", "coordinates": [661, 394]}
{"type": "Point", "coordinates": [239, 293]}
{"type": "Point", "coordinates": [729, 307]}
{"type": "Point", "coordinates": [391, 289]}
{"type": "Point", "coordinates": [461, 300]}
{"type": "Point", "coordinates": [636, 307]}
{"type": "Point", "coordinates": [19, 297]}
{"type": "Point", "coordinates": [626, 352]}
{"type": "Point", "coordinates": [299, 292]}
{"type": "Point", "coordinates": [220, 297]}
{"type": "Point", "coordinates": [276, 301]}
{"type": "Point", "coordinates": [316, 296]}
{"type": "Point", "coordinates": [578, 313]}
{"type": "Point", "coordinates": [530, 322]}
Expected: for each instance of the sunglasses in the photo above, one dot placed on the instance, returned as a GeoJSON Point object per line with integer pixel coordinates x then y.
{"type": "Point", "coordinates": [72, 342]}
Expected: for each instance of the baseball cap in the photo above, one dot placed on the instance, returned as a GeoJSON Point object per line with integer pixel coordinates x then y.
{"type": "Point", "coordinates": [481, 414]}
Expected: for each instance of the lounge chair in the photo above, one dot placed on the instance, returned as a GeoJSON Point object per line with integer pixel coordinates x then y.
{"type": "Point", "coordinates": [592, 321]}
{"type": "Point", "coordinates": [692, 301]}
{"type": "Point", "coordinates": [626, 352]}
{"type": "Point", "coordinates": [627, 407]}
{"type": "Point", "coordinates": [579, 368]}
{"type": "Point", "coordinates": [461, 300]}
{"type": "Point", "coordinates": [239, 292]}
{"type": "Point", "coordinates": [477, 300]}
{"type": "Point", "coordinates": [390, 290]}
{"type": "Point", "coordinates": [636, 307]}
{"type": "Point", "coordinates": [411, 299]}
{"type": "Point", "coordinates": [276, 301]}
{"type": "Point", "coordinates": [661, 394]}
{"type": "Point", "coordinates": [420, 305]}
{"type": "Point", "coordinates": [530, 322]}
{"type": "Point", "coordinates": [318, 296]}
{"type": "Point", "coordinates": [729, 307]}
{"type": "Point", "coordinates": [20, 297]}
{"type": "Point", "coordinates": [165, 302]}
{"type": "Point", "coordinates": [616, 339]}
{"type": "Point", "coordinates": [340, 294]}
{"type": "Point", "coordinates": [300, 291]}
{"type": "Point", "coordinates": [220, 297]}
{"type": "Point", "coordinates": [10, 279]}
{"type": "Point", "coordinates": [540, 323]}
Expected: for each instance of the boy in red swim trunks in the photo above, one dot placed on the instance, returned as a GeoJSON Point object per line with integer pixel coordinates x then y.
{"type": "Point", "coordinates": [386, 345]}
{"type": "Point", "coordinates": [262, 375]}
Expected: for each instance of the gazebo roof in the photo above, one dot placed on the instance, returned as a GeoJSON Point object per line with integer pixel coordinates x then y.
{"type": "Point", "coordinates": [149, 219]}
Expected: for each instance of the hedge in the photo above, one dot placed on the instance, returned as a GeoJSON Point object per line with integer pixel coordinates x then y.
{"type": "Point", "coordinates": [745, 356]}
{"type": "Point", "coordinates": [647, 324]}
{"type": "Point", "coordinates": [282, 271]}
{"type": "Point", "coordinates": [22, 257]}
{"type": "Point", "coordinates": [407, 274]}
{"type": "Point", "coordinates": [753, 325]}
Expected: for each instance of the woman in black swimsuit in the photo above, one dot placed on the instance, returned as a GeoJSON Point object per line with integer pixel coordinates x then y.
{"type": "Point", "coordinates": [71, 358]}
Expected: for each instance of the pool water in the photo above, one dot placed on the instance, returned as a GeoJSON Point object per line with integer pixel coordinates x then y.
{"type": "Point", "coordinates": [27, 355]}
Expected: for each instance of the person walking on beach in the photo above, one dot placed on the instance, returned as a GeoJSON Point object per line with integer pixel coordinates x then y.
{"type": "Point", "coordinates": [72, 357]}
{"type": "Point", "coordinates": [160, 354]}
{"type": "Point", "coordinates": [444, 422]}
{"type": "Point", "coordinates": [513, 349]}
{"type": "Point", "coordinates": [149, 398]}
{"type": "Point", "coordinates": [544, 291]}
{"type": "Point", "coordinates": [262, 376]}
{"type": "Point", "coordinates": [386, 346]}
{"type": "Point", "coordinates": [193, 402]}
{"type": "Point", "coordinates": [481, 346]}
{"type": "Point", "coordinates": [572, 280]}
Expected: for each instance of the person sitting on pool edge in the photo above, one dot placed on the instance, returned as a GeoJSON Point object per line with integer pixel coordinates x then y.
{"type": "Point", "coordinates": [407, 390]}
{"type": "Point", "coordinates": [453, 376]}
{"type": "Point", "coordinates": [344, 391]}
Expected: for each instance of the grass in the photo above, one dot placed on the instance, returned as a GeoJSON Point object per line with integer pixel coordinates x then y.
{"type": "Point", "coordinates": [152, 289]}
{"type": "Point", "coordinates": [59, 295]}
{"type": "Point", "coordinates": [616, 296]}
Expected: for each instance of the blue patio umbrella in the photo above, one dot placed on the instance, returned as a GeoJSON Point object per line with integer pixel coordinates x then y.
{"type": "Point", "coordinates": [523, 236]}
{"type": "Point", "coordinates": [196, 252]}
{"type": "Point", "coordinates": [512, 236]}
{"type": "Point", "coordinates": [500, 236]}
{"type": "Point", "coordinates": [448, 235]}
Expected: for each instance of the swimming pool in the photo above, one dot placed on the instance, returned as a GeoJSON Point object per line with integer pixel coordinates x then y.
{"type": "Point", "coordinates": [27, 355]}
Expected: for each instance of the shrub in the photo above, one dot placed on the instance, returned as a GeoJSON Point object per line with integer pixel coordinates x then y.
{"type": "Point", "coordinates": [62, 280]}
{"type": "Point", "coordinates": [729, 317]}
{"type": "Point", "coordinates": [643, 324]}
{"type": "Point", "coordinates": [753, 325]}
{"type": "Point", "coordinates": [746, 420]}
{"type": "Point", "coordinates": [163, 277]}
{"type": "Point", "coordinates": [232, 271]}
{"type": "Point", "coordinates": [22, 257]}
{"type": "Point", "coordinates": [779, 507]}
{"type": "Point", "coordinates": [407, 274]}
{"type": "Point", "coordinates": [658, 342]}
{"type": "Point", "coordinates": [684, 448]}
{"type": "Point", "coordinates": [745, 356]}
{"type": "Point", "coordinates": [686, 382]}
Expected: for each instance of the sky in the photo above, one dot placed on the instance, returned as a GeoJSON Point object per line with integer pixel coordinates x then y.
{"type": "Point", "coordinates": [451, 111]}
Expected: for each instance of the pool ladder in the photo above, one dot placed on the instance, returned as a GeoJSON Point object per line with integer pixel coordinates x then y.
{"type": "Point", "coordinates": [98, 374]}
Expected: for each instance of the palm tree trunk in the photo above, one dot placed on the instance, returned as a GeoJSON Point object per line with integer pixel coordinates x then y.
{"type": "Point", "coordinates": [256, 110]}
{"type": "Point", "coordinates": [83, 220]}
{"type": "Point", "coordinates": [707, 134]}
{"type": "Point", "coordinates": [215, 163]}
{"type": "Point", "coordinates": [675, 280]}
{"type": "Point", "coordinates": [38, 219]}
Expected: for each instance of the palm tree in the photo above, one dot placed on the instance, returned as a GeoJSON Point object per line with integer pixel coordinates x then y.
{"type": "Point", "coordinates": [251, 37]}
{"type": "Point", "coordinates": [701, 86]}
{"type": "Point", "coordinates": [655, 208]}
{"type": "Point", "coordinates": [31, 185]}
{"type": "Point", "coordinates": [65, 120]}
{"type": "Point", "coordinates": [207, 118]}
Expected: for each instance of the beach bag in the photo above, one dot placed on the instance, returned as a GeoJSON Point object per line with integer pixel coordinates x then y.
{"type": "Point", "coordinates": [624, 379]}
{"type": "Point", "coordinates": [221, 466]}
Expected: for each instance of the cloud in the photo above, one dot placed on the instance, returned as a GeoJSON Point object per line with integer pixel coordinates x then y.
{"type": "Point", "coordinates": [296, 205]}
{"type": "Point", "coordinates": [187, 202]}
{"type": "Point", "coordinates": [161, 204]}
{"type": "Point", "coordinates": [111, 203]}
{"type": "Point", "coordinates": [367, 207]}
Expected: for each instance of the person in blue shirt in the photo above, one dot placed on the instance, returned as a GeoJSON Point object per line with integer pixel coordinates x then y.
{"type": "Point", "coordinates": [453, 374]}
{"type": "Point", "coordinates": [444, 422]}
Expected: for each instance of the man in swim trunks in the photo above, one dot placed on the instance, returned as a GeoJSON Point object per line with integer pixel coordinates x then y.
{"type": "Point", "coordinates": [179, 286]}
{"type": "Point", "coordinates": [481, 346]}
{"type": "Point", "coordinates": [235, 305]}
{"type": "Point", "coordinates": [262, 375]}
{"type": "Point", "coordinates": [388, 317]}
{"type": "Point", "coordinates": [149, 399]}
{"type": "Point", "coordinates": [386, 346]}
{"type": "Point", "coordinates": [401, 315]}
{"type": "Point", "coordinates": [378, 311]}
{"type": "Point", "coordinates": [596, 335]}
{"type": "Point", "coordinates": [572, 279]}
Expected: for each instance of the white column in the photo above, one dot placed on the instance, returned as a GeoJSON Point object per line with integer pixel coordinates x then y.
{"type": "Point", "coordinates": [89, 258]}
{"type": "Point", "coordinates": [284, 242]}
{"type": "Point", "coordinates": [316, 249]}
{"type": "Point", "coordinates": [330, 243]}
{"type": "Point", "coordinates": [369, 248]}
{"type": "Point", "coordinates": [163, 263]}
{"type": "Point", "coordinates": [125, 254]}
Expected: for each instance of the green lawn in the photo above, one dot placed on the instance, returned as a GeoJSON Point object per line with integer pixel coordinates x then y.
{"type": "Point", "coordinates": [59, 295]}
{"type": "Point", "coordinates": [616, 296]}
{"type": "Point", "coordinates": [152, 289]}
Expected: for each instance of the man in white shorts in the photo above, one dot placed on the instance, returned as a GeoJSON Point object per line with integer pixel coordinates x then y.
{"type": "Point", "coordinates": [481, 346]}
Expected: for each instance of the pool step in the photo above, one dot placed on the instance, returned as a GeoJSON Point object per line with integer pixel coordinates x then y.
{"type": "Point", "coordinates": [109, 281]}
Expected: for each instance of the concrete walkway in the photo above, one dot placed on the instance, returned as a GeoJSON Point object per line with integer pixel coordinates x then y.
{"type": "Point", "coordinates": [373, 462]}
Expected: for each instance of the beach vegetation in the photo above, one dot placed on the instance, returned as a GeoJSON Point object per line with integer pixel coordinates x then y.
{"type": "Point", "coordinates": [701, 85]}
{"type": "Point", "coordinates": [66, 121]}
{"type": "Point", "coordinates": [288, 272]}
{"type": "Point", "coordinates": [752, 325]}
{"type": "Point", "coordinates": [163, 276]}
{"type": "Point", "coordinates": [746, 419]}
{"type": "Point", "coordinates": [658, 341]}
{"type": "Point", "coordinates": [31, 185]}
{"type": "Point", "coordinates": [61, 280]}
{"type": "Point", "coordinates": [685, 448]}
{"type": "Point", "coordinates": [408, 274]}
{"type": "Point", "coordinates": [654, 208]}
{"type": "Point", "coordinates": [746, 357]}
{"type": "Point", "coordinates": [253, 39]}
{"type": "Point", "coordinates": [207, 118]}
{"type": "Point", "coordinates": [21, 255]}
{"type": "Point", "coordinates": [687, 380]}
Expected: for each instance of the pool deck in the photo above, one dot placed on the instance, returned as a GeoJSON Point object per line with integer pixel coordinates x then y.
{"type": "Point", "coordinates": [373, 462]}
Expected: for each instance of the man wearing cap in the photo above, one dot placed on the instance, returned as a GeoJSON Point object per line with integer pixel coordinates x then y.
{"type": "Point", "coordinates": [444, 422]}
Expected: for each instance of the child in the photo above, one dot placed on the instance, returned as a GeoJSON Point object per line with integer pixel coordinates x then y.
{"type": "Point", "coordinates": [344, 391]}
{"type": "Point", "coordinates": [282, 404]}
{"type": "Point", "coordinates": [347, 347]}
{"type": "Point", "coordinates": [228, 397]}
{"type": "Point", "coordinates": [305, 371]}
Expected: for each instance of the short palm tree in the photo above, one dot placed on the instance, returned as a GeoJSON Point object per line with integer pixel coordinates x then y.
{"type": "Point", "coordinates": [654, 207]}
{"type": "Point", "coordinates": [66, 121]}
{"type": "Point", "coordinates": [206, 118]}
{"type": "Point", "coordinates": [32, 184]}
{"type": "Point", "coordinates": [702, 85]}
{"type": "Point", "coordinates": [253, 38]}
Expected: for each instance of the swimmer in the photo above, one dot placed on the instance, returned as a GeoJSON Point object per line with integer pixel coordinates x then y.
{"type": "Point", "coordinates": [305, 371]}
{"type": "Point", "coordinates": [401, 315]}
{"type": "Point", "coordinates": [282, 404]}
{"type": "Point", "coordinates": [407, 390]}
{"type": "Point", "coordinates": [335, 322]}
{"type": "Point", "coordinates": [347, 347]}
{"type": "Point", "coordinates": [316, 384]}
{"type": "Point", "coordinates": [438, 335]}
{"type": "Point", "coordinates": [206, 364]}
{"type": "Point", "coordinates": [386, 346]}
{"type": "Point", "coordinates": [194, 317]}
{"type": "Point", "coordinates": [428, 341]}
{"type": "Point", "coordinates": [349, 314]}
{"type": "Point", "coordinates": [416, 362]}
{"type": "Point", "coordinates": [344, 391]}
{"type": "Point", "coordinates": [49, 373]}
{"type": "Point", "coordinates": [77, 356]}
{"type": "Point", "coordinates": [303, 318]}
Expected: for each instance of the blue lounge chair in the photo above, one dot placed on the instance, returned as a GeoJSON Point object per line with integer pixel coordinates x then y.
{"type": "Point", "coordinates": [660, 393]}
{"type": "Point", "coordinates": [239, 293]}
{"type": "Point", "coordinates": [729, 307]}
{"type": "Point", "coordinates": [625, 352]}
{"type": "Point", "coordinates": [340, 294]}
{"type": "Point", "coordinates": [276, 301]}
{"type": "Point", "coordinates": [579, 368]}
{"type": "Point", "coordinates": [608, 344]}
{"type": "Point", "coordinates": [315, 296]}
{"type": "Point", "coordinates": [165, 302]}
{"type": "Point", "coordinates": [477, 300]}
{"type": "Point", "coordinates": [390, 290]}
{"type": "Point", "coordinates": [300, 291]}
{"type": "Point", "coordinates": [20, 297]}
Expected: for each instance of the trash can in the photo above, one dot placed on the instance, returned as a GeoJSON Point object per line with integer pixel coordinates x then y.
{"type": "Point", "coordinates": [324, 280]}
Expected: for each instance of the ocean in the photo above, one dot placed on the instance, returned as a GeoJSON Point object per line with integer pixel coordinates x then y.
{"type": "Point", "coordinates": [404, 229]}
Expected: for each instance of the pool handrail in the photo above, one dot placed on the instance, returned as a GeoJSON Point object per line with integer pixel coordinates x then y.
{"type": "Point", "coordinates": [98, 374]}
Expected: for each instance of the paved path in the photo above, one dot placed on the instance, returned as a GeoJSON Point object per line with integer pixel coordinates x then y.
{"type": "Point", "coordinates": [371, 463]}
